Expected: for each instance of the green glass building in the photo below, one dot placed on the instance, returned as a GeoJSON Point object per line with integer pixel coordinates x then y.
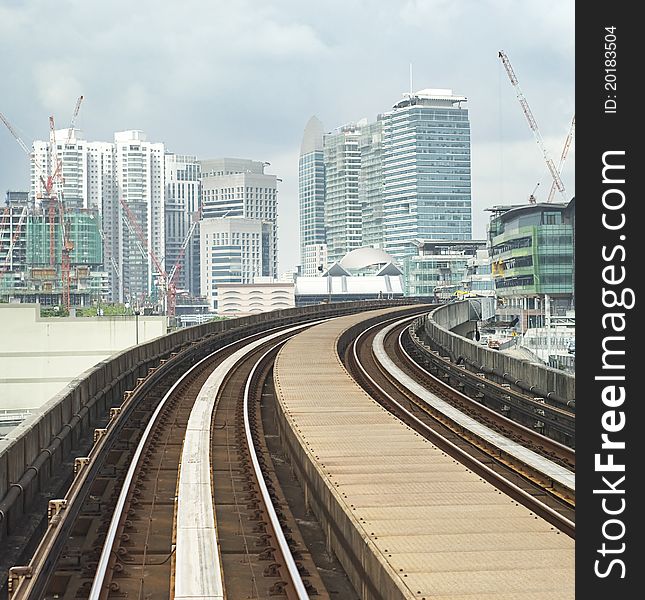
{"type": "Point", "coordinates": [532, 251]}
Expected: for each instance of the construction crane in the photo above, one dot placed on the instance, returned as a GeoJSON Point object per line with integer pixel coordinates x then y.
{"type": "Point", "coordinates": [15, 134]}
{"type": "Point", "coordinates": [22, 144]}
{"type": "Point", "coordinates": [72, 123]}
{"type": "Point", "coordinates": [143, 244]}
{"type": "Point", "coordinates": [532, 122]}
{"type": "Point", "coordinates": [115, 266]}
{"type": "Point", "coordinates": [532, 199]}
{"type": "Point", "coordinates": [167, 285]}
{"type": "Point", "coordinates": [57, 180]}
{"type": "Point", "coordinates": [172, 289]}
{"type": "Point", "coordinates": [55, 189]}
{"type": "Point", "coordinates": [563, 156]}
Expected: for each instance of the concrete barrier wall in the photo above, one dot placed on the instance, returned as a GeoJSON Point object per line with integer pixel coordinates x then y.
{"type": "Point", "coordinates": [437, 327]}
{"type": "Point", "coordinates": [41, 355]}
{"type": "Point", "coordinates": [35, 449]}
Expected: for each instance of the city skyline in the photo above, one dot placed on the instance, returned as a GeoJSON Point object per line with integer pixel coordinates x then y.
{"type": "Point", "coordinates": [252, 98]}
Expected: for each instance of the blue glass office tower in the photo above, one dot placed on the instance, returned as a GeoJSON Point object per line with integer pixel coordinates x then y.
{"type": "Point", "coordinates": [426, 171]}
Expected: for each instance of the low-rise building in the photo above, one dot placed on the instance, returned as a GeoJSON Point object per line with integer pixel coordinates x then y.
{"type": "Point", "coordinates": [363, 274]}
{"type": "Point", "coordinates": [243, 300]}
{"type": "Point", "coordinates": [439, 264]}
{"type": "Point", "coordinates": [234, 250]}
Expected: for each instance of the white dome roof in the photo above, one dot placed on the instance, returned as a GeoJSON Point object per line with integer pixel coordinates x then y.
{"type": "Point", "coordinates": [365, 257]}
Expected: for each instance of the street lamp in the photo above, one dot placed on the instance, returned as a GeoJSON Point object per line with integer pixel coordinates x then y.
{"type": "Point", "coordinates": [136, 320]}
{"type": "Point", "coordinates": [471, 303]}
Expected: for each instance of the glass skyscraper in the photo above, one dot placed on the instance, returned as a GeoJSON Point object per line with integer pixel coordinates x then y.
{"type": "Point", "coordinates": [342, 207]}
{"type": "Point", "coordinates": [532, 250]}
{"type": "Point", "coordinates": [426, 171]}
{"type": "Point", "coordinates": [370, 183]}
{"type": "Point", "coordinates": [311, 193]}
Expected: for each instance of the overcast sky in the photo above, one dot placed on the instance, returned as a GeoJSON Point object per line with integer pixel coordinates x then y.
{"type": "Point", "coordinates": [241, 78]}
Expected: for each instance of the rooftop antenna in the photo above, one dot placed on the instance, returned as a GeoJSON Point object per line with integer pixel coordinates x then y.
{"type": "Point", "coordinates": [411, 86]}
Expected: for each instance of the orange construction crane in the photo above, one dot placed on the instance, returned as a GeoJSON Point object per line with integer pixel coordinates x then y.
{"type": "Point", "coordinates": [532, 122]}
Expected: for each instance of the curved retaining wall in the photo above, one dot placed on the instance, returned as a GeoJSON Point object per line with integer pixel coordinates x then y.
{"type": "Point", "coordinates": [436, 328]}
{"type": "Point", "coordinates": [36, 449]}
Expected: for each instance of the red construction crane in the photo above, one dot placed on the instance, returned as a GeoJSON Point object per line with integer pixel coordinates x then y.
{"type": "Point", "coordinates": [531, 121]}
{"type": "Point", "coordinates": [57, 181]}
{"type": "Point", "coordinates": [163, 276]}
{"type": "Point", "coordinates": [168, 288]}
{"type": "Point", "coordinates": [172, 289]}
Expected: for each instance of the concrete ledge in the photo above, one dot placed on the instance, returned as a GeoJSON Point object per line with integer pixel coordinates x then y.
{"type": "Point", "coordinates": [437, 329]}
{"type": "Point", "coordinates": [365, 564]}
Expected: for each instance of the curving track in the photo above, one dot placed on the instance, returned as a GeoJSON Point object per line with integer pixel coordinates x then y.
{"type": "Point", "coordinates": [179, 496]}
{"type": "Point", "coordinates": [489, 443]}
{"type": "Point", "coordinates": [410, 513]}
{"type": "Point", "coordinates": [150, 510]}
{"type": "Point", "coordinates": [549, 416]}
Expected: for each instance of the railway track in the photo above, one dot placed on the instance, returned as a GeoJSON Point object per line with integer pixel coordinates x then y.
{"type": "Point", "coordinates": [118, 532]}
{"type": "Point", "coordinates": [520, 481]}
{"type": "Point", "coordinates": [179, 497]}
{"type": "Point", "coordinates": [262, 551]}
{"type": "Point", "coordinates": [395, 346]}
{"type": "Point", "coordinates": [548, 416]}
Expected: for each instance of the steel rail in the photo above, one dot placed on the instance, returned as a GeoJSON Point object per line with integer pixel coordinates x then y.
{"type": "Point", "coordinates": [28, 582]}
{"type": "Point", "coordinates": [296, 579]}
{"type": "Point", "coordinates": [115, 522]}
{"type": "Point", "coordinates": [547, 441]}
{"type": "Point", "coordinates": [191, 561]}
{"type": "Point", "coordinates": [31, 584]}
{"type": "Point", "coordinates": [552, 516]}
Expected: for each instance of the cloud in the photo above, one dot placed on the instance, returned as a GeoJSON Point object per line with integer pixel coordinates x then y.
{"type": "Point", "coordinates": [57, 85]}
{"type": "Point", "coordinates": [242, 78]}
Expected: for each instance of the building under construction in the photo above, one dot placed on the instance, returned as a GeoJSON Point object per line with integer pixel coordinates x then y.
{"type": "Point", "coordinates": [32, 255]}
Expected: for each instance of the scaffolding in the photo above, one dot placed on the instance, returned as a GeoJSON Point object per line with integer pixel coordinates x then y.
{"type": "Point", "coordinates": [84, 227]}
{"type": "Point", "coordinates": [26, 272]}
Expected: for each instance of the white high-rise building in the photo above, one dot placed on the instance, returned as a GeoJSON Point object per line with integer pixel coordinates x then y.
{"type": "Point", "coordinates": [342, 157]}
{"type": "Point", "coordinates": [140, 176]}
{"type": "Point", "coordinates": [314, 261]}
{"type": "Point", "coordinates": [235, 187]}
{"type": "Point", "coordinates": [103, 194]}
{"type": "Point", "coordinates": [181, 211]}
{"type": "Point", "coordinates": [100, 175]}
{"type": "Point", "coordinates": [71, 151]}
{"type": "Point", "coordinates": [234, 250]}
{"type": "Point", "coordinates": [370, 184]}
{"type": "Point", "coordinates": [311, 192]}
